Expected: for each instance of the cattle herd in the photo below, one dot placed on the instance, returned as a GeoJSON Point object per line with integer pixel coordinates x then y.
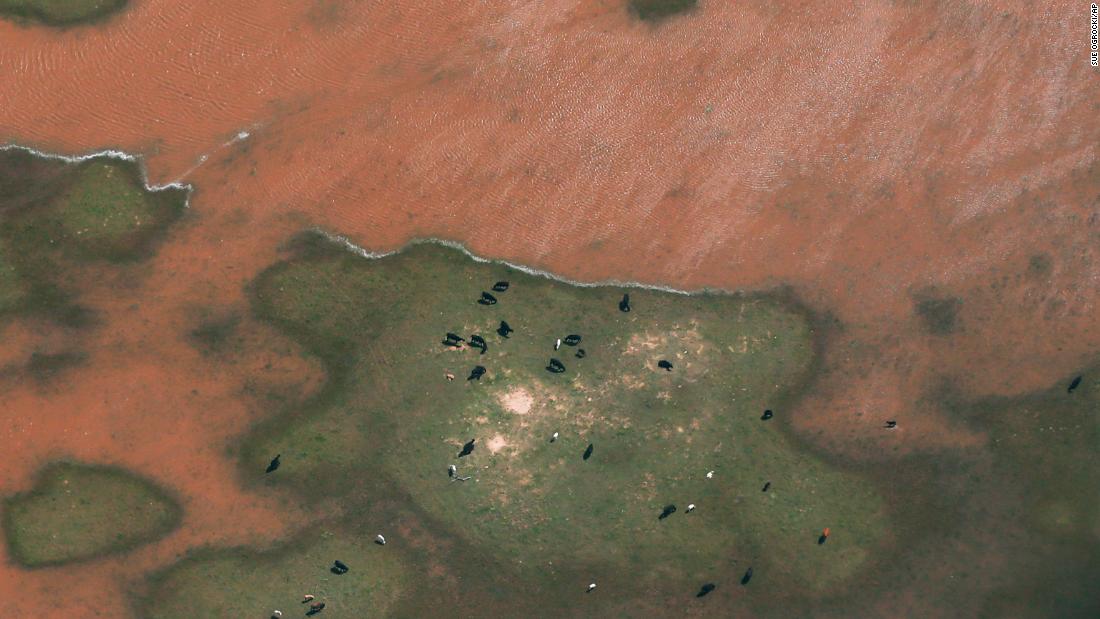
{"type": "Point", "coordinates": [554, 366]}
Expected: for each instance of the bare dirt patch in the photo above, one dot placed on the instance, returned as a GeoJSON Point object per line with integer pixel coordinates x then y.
{"type": "Point", "coordinates": [517, 401]}
{"type": "Point", "coordinates": [496, 444]}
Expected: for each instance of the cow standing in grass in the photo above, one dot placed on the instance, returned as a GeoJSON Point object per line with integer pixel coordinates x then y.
{"type": "Point", "coordinates": [476, 341]}
{"type": "Point", "coordinates": [467, 449]}
{"type": "Point", "coordinates": [1074, 384]}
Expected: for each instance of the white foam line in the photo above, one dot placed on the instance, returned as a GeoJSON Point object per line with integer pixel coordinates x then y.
{"type": "Point", "coordinates": [347, 244]}
{"type": "Point", "coordinates": [345, 241]}
{"type": "Point", "coordinates": [109, 154]}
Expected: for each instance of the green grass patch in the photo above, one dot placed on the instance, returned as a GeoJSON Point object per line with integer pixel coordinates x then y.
{"type": "Point", "coordinates": [106, 212]}
{"type": "Point", "coordinates": [57, 218]}
{"type": "Point", "coordinates": [60, 12]}
{"type": "Point", "coordinates": [388, 412]}
{"type": "Point", "coordinates": [247, 583]}
{"type": "Point", "coordinates": [1051, 444]}
{"type": "Point", "coordinates": [656, 10]}
{"type": "Point", "coordinates": [77, 512]}
{"type": "Point", "coordinates": [13, 289]}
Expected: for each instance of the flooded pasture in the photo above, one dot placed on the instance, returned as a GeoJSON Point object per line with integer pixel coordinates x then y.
{"type": "Point", "coordinates": [924, 176]}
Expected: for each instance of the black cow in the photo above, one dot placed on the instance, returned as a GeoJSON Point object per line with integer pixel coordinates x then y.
{"type": "Point", "coordinates": [747, 577]}
{"type": "Point", "coordinates": [587, 452]}
{"type": "Point", "coordinates": [500, 286]}
{"type": "Point", "coordinates": [504, 329]}
{"type": "Point", "coordinates": [767, 415]}
{"type": "Point", "coordinates": [667, 511]}
{"type": "Point", "coordinates": [665, 365]}
{"type": "Point", "coordinates": [487, 299]}
{"type": "Point", "coordinates": [467, 449]}
{"type": "Point", "coordinates": [766, 486]}
{"type": "Point", "coordinates": [624, 305]}
{"type": "Point", "coordinates": [476, 341]}
{"type": "Point", "coordinates": [274, 464]}
{"type": "Point", "coordinates": [580, 354]}
{"type": "Point", "coordinates": [555, 366]}
{"type": "Point", "coordinates": [1074, 384]}
{"type": "Point", "coordinates": [571, 340]}
{"type": "Point", "coordinates": [705, 589]}
{"type": "Point", "coordinates": [338, 567]}
{"type": "Point", "coordinates": [476, 373]}
{"type": "Point", "coordinates": [454, 337]}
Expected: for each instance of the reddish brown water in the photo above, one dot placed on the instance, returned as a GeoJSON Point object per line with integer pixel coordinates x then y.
{"type": "Point", "coordinates": [861, 153]}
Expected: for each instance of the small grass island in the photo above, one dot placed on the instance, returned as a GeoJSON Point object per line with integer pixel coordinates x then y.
{"type": "Point", "coordinates": [60, 13]}
{"type": "Point", "coordinates": [76, 512]}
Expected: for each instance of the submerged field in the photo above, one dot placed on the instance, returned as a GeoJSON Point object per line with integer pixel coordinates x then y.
{"type": "Point", "coordinates": [923, 176]}
{"type": "Point", "coordinates": [1007, 528]}
{"type": "Point", "coordinates": [67, 229]}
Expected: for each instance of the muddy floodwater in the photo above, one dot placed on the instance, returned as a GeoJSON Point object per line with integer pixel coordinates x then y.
{"type": "Point", "coordinates": [924, 176]}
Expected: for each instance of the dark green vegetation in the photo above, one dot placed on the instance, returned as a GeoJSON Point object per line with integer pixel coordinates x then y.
{"type": "Point", "coordinates": [940, 316]}
{"type": "Point", "coordinates": [213, 332]}
{"type": "Point", "coordinates": [60, 12]}
{"type": "Point", "coordinates": [43, 366]}
{"type": "Point", "coordinates": [1045, 472]}
{"type": "Point", "coordinates": [77, 512]}
{"type": "Point", "coordinates": [245, 583]}
{"type": "Point", "coordinates": [57, 217]}
{"type": "Point", "coordinates": [388, 424]}
{"type": "Point", "coordinates": [656, 10]}
{"type": "Point", "coordinates": [1007, 529]}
